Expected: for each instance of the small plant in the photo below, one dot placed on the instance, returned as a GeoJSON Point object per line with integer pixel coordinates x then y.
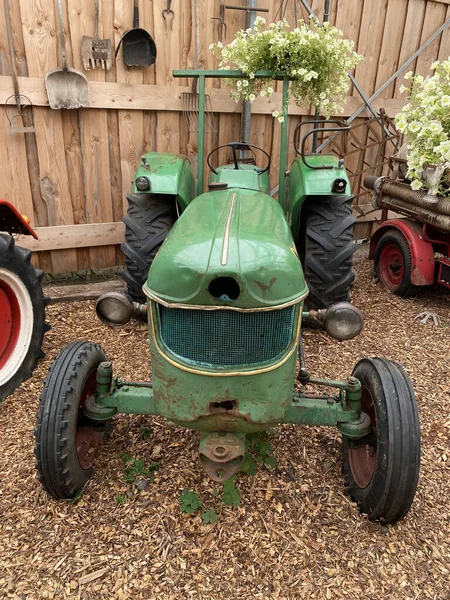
{"type": "Point", "coordinates": [209, 516]}
{"type": "Point", "coordinates": [230, 493]}
{"type": "Point", "coordinates": [190, 502]}
{"type": "Point", "coordinates": [136, 469]}
{"type": "Point", "coordinates": [76, 498]}
{"type": "Point", "coordinates": [425, 121]}
{"type": "Point", "coordinates": [315, 56]}
{"type": "Point", "coordinates": [146, 432]}
{"type": "Point", "coordinates": [259, 451]}
{"type": "Point", "coordinates": [120, 500]}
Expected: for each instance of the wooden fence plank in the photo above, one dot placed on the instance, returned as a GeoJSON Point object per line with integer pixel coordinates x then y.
{"type": "Point", "coordinates": [74, 236]}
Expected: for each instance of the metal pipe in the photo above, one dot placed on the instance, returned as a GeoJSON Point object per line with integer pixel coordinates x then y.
{"type": "Point", "coordinates": [283, 142]}
{"type": "Point", "coordinates": [427, 216]}
{"type": "Point", "coordinates": [247, 106]}
{"type": "Point", "coordinates": [201, 132]}
{"type": "Point", "coordinates": [402, 191]}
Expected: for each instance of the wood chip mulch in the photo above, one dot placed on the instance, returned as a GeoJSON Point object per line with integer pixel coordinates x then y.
{"type": "Point", "coordinates": [295, 535]}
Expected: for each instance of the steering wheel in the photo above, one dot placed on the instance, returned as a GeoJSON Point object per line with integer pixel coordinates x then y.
{"type": "Point", "coordinates": [235, 147]}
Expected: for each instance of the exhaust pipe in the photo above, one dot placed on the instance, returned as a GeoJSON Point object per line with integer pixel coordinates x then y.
{"type": "Point", "coordinates": [115, 309]}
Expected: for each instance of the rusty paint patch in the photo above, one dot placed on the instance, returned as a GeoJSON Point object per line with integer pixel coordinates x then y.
{"type": "Point", "coordinates": [265, 286]}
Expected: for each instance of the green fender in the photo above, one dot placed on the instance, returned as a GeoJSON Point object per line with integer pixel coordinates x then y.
{"type": "Point", "coordinates": [305, 182]}
{"type": "Point", "coordinates": [168, 175]}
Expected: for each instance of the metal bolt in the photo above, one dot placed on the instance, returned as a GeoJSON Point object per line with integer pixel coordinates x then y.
{"type": "Point", "coordinates": [220, 451]}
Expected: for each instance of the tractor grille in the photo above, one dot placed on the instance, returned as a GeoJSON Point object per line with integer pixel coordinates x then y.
{"type": "Point", "coordinates": [226, 338]}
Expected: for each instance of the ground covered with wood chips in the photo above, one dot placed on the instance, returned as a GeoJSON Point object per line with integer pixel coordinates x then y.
{"type": "Point", "coordinates": [295, 535]}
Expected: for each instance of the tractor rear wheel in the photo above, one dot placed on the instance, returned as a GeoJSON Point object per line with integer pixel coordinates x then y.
{"type": "Point", "coordinates": [393, 264]}
{"type": "Point", "coordinates": [327, 248]}
{"type": "Point", "coordinates": [382, 470]}
{"type": "Point", "coordinates": [67, 442]}
{"type": "Point", "coordinates": [147, 224]}
{"type": "Point", "coordinates": [22, 315]}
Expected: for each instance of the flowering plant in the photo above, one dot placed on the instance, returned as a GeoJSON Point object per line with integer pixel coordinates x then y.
{"type": "Point", "coordinates": [425, 121]}
{"type": "Point", "coordinates": [316, 57]}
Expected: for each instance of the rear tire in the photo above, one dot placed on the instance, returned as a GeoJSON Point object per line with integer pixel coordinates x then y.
{"type": "Point", "coordinates": [67, 442]}
{"type": "Point", "coordinates": [382, 474]}
{"type": "Point", "coordinates": [328, 248]}
{"type": "Point", "coordinates": [393, 264]}
{"type": "Point", "coordinates": [22, 315]}
{"type": "Point", "coordinates": [147, 224]}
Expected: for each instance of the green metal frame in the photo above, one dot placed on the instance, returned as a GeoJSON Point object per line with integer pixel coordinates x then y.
{"type": "Point", "coordinates": [342, 410]}
{"type": "Point", "coordinates": [232, 74]}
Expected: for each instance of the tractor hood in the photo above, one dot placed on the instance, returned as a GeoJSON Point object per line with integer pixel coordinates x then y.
{"type": "Point", "coordinates": [234, 233]}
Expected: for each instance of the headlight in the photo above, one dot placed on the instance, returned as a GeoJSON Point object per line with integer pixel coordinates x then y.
{"type": "Point", "coordinates": [343, 321]}
{"type": "Point", "coordinates": [142, 184]}
{"type": "Point", "coordinates": [114, 309]}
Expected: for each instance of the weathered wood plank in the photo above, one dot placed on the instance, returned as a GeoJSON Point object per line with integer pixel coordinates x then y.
{"type": "Point", "coordinates": [65, 237]}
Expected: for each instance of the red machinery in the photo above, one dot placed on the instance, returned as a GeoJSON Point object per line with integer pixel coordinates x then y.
{"type": "Point", "coordinates": [22, 304]}
{"type": "Point", "coordinates": [412, 252]}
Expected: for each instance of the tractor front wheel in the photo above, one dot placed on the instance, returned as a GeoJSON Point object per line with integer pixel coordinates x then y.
{"type": "Point", "coordinates": [67, 442]}
{"type": "Point", "coordinates": [382, 470]}
{"type": "Point", "coordinates": [22, 315]}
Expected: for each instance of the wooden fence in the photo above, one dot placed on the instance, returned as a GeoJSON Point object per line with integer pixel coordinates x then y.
{"type": "Point", "coordinates": [71, 176]}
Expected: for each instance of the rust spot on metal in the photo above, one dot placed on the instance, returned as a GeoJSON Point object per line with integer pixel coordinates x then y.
{"type": "Point", "coordinates": [265, 286]}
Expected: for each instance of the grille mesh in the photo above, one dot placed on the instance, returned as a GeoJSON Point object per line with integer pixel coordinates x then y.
{"type": "Point", "coordinates": [226, 338]}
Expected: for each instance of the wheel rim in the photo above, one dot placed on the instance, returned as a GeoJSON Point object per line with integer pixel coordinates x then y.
{"type": "Point", "coordinates": [88, 439]}
{"type": "Point", "coordinates": [16, 324]}
{"type": "Point", "coordinates": [391, 266]}
{"type": "Point", "coordinates": [363, 460]}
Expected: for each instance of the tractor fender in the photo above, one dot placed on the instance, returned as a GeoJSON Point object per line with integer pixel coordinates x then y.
{"type": "Point", "coordinates": [12, 221]}
{"type": "Point", "coordinates": [168, 175]}
{"type": "Point", "coordinates": [422, 252]}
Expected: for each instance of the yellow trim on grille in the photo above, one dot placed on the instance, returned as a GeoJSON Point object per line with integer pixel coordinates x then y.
{"type": "Point", "coordinates": [184, 367]}
{"type": "Point", "coordinates": [215, 307]}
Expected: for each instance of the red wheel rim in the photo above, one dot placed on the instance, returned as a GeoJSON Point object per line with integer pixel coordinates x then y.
{"type": "Point", "coordinates": [9, 322]}
{"type": "Point", "coordinates": [363, 460]}
{"type": "Point", "coordinates": [391, 266]}
{"type": "Point", "coordinates": [88, 440]}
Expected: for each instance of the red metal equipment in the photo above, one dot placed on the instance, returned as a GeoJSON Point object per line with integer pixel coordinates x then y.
{"type": "Point", "coordinates": [412, 252]}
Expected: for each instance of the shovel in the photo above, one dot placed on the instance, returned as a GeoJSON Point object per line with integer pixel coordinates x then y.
{"type": "Point", "coordinates": [139, 49]}
{"type": "Point", "coordinates": [94, 51]}
{"type": "Point", "coordinates": [66, 87]}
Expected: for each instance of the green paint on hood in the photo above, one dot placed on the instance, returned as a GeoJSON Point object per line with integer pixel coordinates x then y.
{"type": "Point", "coordinates": [260, 254]}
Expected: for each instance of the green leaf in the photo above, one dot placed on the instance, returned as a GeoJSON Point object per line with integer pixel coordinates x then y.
{"type": "Point", "coordinates": [126, 458]}
{"type": "Point", "coordinates": [120, 500]}
{"type": "Point", "coordinates": [230, 494]}
{"type": "Point", "coordinates": [249, 465]}
{"type": "Point", "coordinates": [209, 516]}
{"type": "Point", "coordinates": [146, 432]}
{"type": "Point", "coordinates": [190, 502]}
{"type": "Point", "coordinates": [75, 499]}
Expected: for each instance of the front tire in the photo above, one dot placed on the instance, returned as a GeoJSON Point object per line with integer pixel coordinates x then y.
{"type": "Point", "coordinates": [382, 473]}
{"type": "Point", "coordinates": [327, 248]}
{"type": "Point", "coordinates": [22, 315]}
{"type": "Point", "coordinates": [147, 224]}
{"type": "Point", "coordinates": [67, 442]}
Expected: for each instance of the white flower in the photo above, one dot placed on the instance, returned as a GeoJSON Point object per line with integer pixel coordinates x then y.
{"type": "Point", "coordinates": [445, 101]}
{"type": "Point", "coordinates": [251, 97]}
{"type": "Point", "coordinates": [402, 89]}
{"type": "Point", "coordinates": [275, 114]}
{"type": "Point", "coordinates": [414, 127]}
{"type": "Point", "coordinates": [416, 185]}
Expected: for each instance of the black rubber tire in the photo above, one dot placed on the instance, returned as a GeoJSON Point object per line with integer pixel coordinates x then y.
{"type": "Point", "coordinates": [404, 287]}
{"type": "Point", "coordinates": [326, 248]}
{"type": "Point", "coordinates": [16, 260]}
{"type": "Point", "coordinates": [395, 441]}
{"type": "Point", "coordinates": [59, 416]}
{"type": "Point", "coordinates": [147, 224]}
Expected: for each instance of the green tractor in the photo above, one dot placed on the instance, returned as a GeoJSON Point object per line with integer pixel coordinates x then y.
{"type": "Point", "coordinates": [225, 301]}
